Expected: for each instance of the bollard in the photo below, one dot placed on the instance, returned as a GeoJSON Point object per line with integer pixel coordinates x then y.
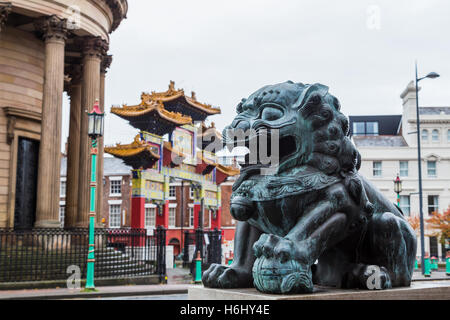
{"type": "Point", "coordinates": [427, 266]}
{"type": "Point", "coordinates": [434, 263]}
{"type": "Point", "coordinates": [447, 264]}
{"type": "Point", "coordinates": [198, 268]}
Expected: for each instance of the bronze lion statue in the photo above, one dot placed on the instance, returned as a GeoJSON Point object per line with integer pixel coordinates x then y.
{"type": "Point", "coordinates": [315, 219]}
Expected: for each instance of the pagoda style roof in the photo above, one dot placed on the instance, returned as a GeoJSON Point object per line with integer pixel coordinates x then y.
{"type": "Point", "coordinates": [175, 100]}
{"type": "Point", "coordinates": [151, 116]}
{"type": "Point", "coordinates": [138, 154]}
{"type": "Point", "coordinates": [208, 135]}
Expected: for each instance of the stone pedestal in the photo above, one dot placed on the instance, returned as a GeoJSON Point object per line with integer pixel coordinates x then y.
{"type": "Point", "coordinates": [419, 290]}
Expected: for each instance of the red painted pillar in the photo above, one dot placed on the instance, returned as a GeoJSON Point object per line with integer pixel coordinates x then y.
{"type": "Point", "coordinates": [197, 208]}
{"type": "Point", "coordinates": [216, 223]}
{"type": "Point", "coordinates": [162, 218]}
{"type": "Point", "coordinates": [137, 212]}
{"type": "Point", "coordinates": [137, 221]}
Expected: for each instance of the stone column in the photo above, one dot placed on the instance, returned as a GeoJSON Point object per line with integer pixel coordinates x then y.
{"type": "Point", "coordinates": [93, 48]}
{"type": "Point", "coordinates": [5, 9]}
{"type": "Point", "coordinates": [54, 32]}
{"type": "Point", "coordinates": [73, 150]}
{"type": "Point", "coordinates": [106, 63]}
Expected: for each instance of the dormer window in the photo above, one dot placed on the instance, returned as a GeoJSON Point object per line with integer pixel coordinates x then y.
{"type": "Point", "coordinates": [366, 128]}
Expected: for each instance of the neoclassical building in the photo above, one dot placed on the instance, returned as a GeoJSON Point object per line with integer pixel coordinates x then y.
{"type": "Point", "coordinates": [48, 47]}
{"type": "Point", "coordinates": [388, 146]}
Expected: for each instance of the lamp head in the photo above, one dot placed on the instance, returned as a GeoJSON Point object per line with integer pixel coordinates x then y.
{"type": "Point", "coordinates": [95, 121]}
{"type": "Point", "coordinates": [432, 75]}
{"type": "Point", "coordinates": [397, 185]}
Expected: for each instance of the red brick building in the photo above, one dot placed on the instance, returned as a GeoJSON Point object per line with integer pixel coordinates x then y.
{"type": "Point", "coordinates": [116, 199]}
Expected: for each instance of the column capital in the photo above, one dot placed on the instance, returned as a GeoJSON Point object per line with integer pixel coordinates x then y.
{"type": "Point", "coordinates": [93, 46]}
{"type": "Point", "coordinates": [5, 9]}
{"type": "Point", "coordinates": [52, 28]}
{"type": "Point", "coordinates": [106, 63]}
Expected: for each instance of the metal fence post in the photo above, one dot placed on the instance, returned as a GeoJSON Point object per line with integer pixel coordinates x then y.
{"type": "Point", "coordinates": [161, 253]}
{"type": "Point", "coordinates": [218, 245]}
{"type": "Point", "coordinates": [186, 249]}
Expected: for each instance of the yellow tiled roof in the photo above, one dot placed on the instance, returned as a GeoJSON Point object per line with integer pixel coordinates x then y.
{"type": "Point", "coordinates": [173, 94]}
{"type": "Point", "coordinates": [147, 107]}
{"type": "Point", "coordinates": [132, 149]}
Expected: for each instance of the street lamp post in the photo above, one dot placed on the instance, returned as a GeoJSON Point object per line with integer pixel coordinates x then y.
{"type": "Point", "coordinates": [431, 75]}
{"type": "Point", "coordinates": [95, 130]}
{"type": "Point", "coordinates": [398, 188]}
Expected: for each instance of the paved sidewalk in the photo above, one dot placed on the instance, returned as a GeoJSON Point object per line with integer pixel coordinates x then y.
{"type": "Point", "coordinates": [140, 290]}
{"type": "Point", "coordinates": [179, 276]}
{"type": "Point", "coordinates": [435, 275]}
{"type": "Point", "coordinates": [112, 291]}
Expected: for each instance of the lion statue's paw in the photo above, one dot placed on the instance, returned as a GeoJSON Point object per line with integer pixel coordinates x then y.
{"type": "Point", "coordinates": [226, 277]}
{"type": "Point", "coordinates": [270, 245]}
{"type": "Point", "coordinates": [279, 267]}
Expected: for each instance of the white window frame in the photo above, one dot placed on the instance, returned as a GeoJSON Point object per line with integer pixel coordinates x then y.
{"type": "Point", "coordinates": [174, 188]}
{"type": "Point", "coordinates": [191, 215]}
{"type": "Point", "coordinates": [191, 193]}
{"type": "Point", "coordinates": [115, 179]}
{"type": "Point", "coordinates": [119, 213]}
{"type": "Point", "coordinates": [406, 207]}
{"type": "Point", "coordinates": [376, 126]}
{"type": "Point", "coordinates": [435, 206]}
{"type": "Point", "coordinates": [150, 206]}
{"type": "Point", "coordinates": [173, 206]}
{"type": "Point", "coordinates": [435, 168]}
{"type": "Point", "coordinates": [422, 137]}
{"type": "Point", "coordinates": [435, 135]}
{"type": "Point", "coordinates": [380, 169]}
{"type": "Point", "coordinates": [355, 132]}
{"type": "Point", "coordinates": [403, 170]}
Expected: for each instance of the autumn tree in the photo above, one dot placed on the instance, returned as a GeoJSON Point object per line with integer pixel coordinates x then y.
{"type": "Point", "coordinates": [414, 222]}
{"type": "Point", "coordinates": [440, 224]}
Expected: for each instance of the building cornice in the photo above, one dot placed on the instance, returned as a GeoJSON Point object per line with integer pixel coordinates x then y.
{"type": "Point", "coordinates": [440, 121]}
{"type": "Point", "coordinates": [14, 113]}
{"type": "Point", "coordinates": [119, 9]}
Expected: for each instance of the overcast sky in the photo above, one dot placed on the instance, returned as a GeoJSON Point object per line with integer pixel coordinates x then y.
{"type": "Point", "coordinates": [225, 50]}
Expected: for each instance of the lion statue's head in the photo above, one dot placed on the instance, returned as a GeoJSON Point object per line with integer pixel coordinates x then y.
{"type": "Point", "coordinates": [312, 130]}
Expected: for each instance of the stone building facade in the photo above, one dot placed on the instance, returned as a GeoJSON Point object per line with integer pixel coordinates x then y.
{"type": "Point", "coordinates": [48, 47]}
{"type": "Point", "coordinates": [388, 146]}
